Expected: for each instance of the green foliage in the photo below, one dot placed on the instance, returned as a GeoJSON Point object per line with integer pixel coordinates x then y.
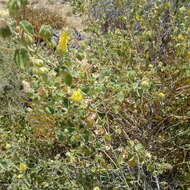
{"type": "Point", "coordinates": [27, 27]}
{"type": "Point", "coordinates": [21, 58]}
{"type": "Point", "coordinates": [15, 5]}
{"type": "Point", "coordinates": [67, 78]}
{"type": "Point", "coordinates": [5, 30]}
{"type": "Point", "coordinates": [46, 32]}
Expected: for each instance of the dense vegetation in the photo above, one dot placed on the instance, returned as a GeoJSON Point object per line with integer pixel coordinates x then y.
{"type": "Point", "coordinates": [106, 109]}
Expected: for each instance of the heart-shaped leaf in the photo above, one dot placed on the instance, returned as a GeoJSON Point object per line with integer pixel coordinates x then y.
{"type": "Point", "coordinates": [27, 27]}
{"type": "Point", "coordinates": [21, 57]}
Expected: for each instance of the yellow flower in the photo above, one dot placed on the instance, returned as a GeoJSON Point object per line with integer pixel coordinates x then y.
{"type": "Point", "coordinates": [188, 12]}
{"type": "Point", "coordinates": [117, 31]}
{"type": "Point", "coordinates": [144, 84]}
{"type": "Point", "coordinates": [22, 167]}
{"type": "Point", "coordinates": [161, 95]}
{"type": "Point", "coordinates": [96, 188]}
{"type": "Point", "coordinates": [76, 96]}
{"type": "Point", "coordinates": [63, 41]}
{"type": "Point", "coordinates": [181, 37]}
{"type": "Point", "coordinates": [138, 17]}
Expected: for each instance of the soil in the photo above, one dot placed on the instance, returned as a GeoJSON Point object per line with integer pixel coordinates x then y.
{"type": "Point", "coordinates": [61, 7]}
{"type": "Point", "coordinates": [3, 8]}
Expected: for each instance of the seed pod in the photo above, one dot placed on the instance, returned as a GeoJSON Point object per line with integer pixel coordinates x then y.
{"type": "Point", "coordinates": [28, 40]}
{"type": "Point", "coordinates": [36, 62]}
{"type": "Point", "coordinates": [42, 71]}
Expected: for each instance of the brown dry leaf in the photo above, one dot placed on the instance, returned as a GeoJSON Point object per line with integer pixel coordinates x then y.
{"type": "Point", "coordinates": [42, 124]}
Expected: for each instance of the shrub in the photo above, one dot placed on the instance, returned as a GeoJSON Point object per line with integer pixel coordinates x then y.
{"type": "Point", "coordinates": [112, 114]}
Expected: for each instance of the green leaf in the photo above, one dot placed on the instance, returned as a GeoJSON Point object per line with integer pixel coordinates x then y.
{"type": "Point", "coordinates": [79, 57]}
{"type": "Point", "coordinates": [13, 6]}
{"type": "Point", "coordinates": [86, 89]}
{"type": "Point", "coordinates": [67, 78]}
{"type": "Point", "coordinates": [107, 138]}
{"type": "Point", "coordinates": [139, 148]}
{"type": "Point", "coordinates": [21, 57]}
{"type": "Point", "coordinates": [24, 2]}
{"type": "Point", "coordinates": [5, 30]}
{"type": "Point", "coordinates": [48, 110]}
{"type": "Point", "coordinates": [27, 27]}
{"type": "Point", "coordinates": [66, 102]}
{"type": "Point", "coordinates": [120, 96]}
{"type": "Point", "coordinates": [46, 32]}
{"type": "Point", "coordinates": [86, 136]}
{"type": "Point", "coordinates": [132, 162]}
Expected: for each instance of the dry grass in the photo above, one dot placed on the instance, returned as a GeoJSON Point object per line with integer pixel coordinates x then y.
{"type": "Point", "coordinates": [55, 15]}
{"type": "Point", "coordinates": [43, 125]}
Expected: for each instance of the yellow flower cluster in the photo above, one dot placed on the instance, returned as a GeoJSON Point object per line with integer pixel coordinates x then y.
{"type": "Point", "coordinates": [145, 84]}
{"type": "Point", "coordinates": [96, 188]}
{"type": "Point", "coordinates": [117, 31]}
{"type": "Point", "coordinates": [161, 95]}
{"type": "Point", "coordinates": [63, 41]}
{"type": "Point", "coordinates": [76, 96]}
{"type": "Point", "coordinates": [22, 167]}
